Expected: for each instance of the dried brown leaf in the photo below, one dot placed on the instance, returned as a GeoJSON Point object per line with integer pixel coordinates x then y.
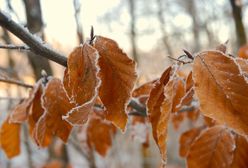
{"type": "Point", "coordinates": [100, 133]}
{"type": "Point", "coordinates": [81, 82]}
{"type": "Point", "coordinates": [118, 75]}
{"type": "Point", "coordinates": [221, 89]}
{"type": "Point", "coordinates": [240, 155]}
{"type": "Point", "coordinates": [56, 104]}
{"type": "Point", "coordinates": [10, 138]}
{"type": "Point", "coordinates": [212, 149]}
{"type": "Point", "coordinates": [186, 140]}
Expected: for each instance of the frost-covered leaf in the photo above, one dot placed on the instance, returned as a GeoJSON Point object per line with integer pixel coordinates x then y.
{"type": "Point", "coordinates": [21, 111]}
{"type": "Point", "coordinates": [144, 89]}
{"type": "Point", "coordinates": [81, 82]}
{"type": "Point", "coordinates": [155, 101]}
{"type": "Point", "coordinates": [100, 133]}
{"type": "Point", "coordinates": [118, 75]}
{"type": "Point", "coordinates": [212, 149]}
{"type": "Point", "coordinates": [221, 89]}
{"type": "Point", "coordinates": [179, 93]}
{"type": "Point", "coordinates": [186, 140]}
{"type": "Point", "coordinates": [159, 106]}
{"type": "Point", "coordinates": [240, 154]}
{"type": "Point", "coordinates": [10, 134]}
{"type": "Point", "coordinates": [177, 119]}
{"type": "Point", "coordinates": [36, 110]}
{"type": "Point", "coordinates": [56, 104]}
{"type": "Point", "coordinates": [189, 92]}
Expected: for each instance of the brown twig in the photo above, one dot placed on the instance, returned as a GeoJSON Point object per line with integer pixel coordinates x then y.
{"type": "Point", "coordinates": [178, 60]}
{"type": "Point", "coordinates": [36, 45]}
{"type": "Point", "coordinates": [15, 47]}
{"type": "Point", "coordinates": [12, 81]}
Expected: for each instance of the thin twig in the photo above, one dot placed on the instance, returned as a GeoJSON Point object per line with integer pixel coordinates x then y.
{"type": "Point", "coordinates": [15, 47]}
{"type": "Point", "coordinates": [12, 81]}
{"type": "Point", "coordinates": [178, 60]}
{"type": "Point", "coordinates": [36, 45]}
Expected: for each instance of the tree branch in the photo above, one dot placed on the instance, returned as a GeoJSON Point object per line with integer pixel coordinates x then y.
{"type": "Point", "coordinates": [12, 81]}
{"type": "Point", "coordinates": [36, 45]}
{"type": "Point", "coordinates": [15, 47]}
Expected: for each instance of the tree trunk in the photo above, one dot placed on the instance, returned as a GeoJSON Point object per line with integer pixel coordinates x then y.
{"type": "Point", "coordinates": [77, 9]}
{"type": "Point", "coordinates": [237, 16]}
{"type": "Point", "coordinates": [162, 29]}
{"type": "Point", "coordinates": [131, 4]}
{"type": "Point", "coordinates": [192, 10]}
{"type": "Point", "coordinates": [35, 25]}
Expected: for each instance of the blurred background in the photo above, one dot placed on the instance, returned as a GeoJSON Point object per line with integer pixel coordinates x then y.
{"type": "Point", "coordinates": [147, 30]}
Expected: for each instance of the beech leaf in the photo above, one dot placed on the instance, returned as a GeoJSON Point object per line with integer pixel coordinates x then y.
{"type": "Point", "coordinates": [212, 149]}
{"type": "Point", "coordinates": [221, 89]}
{"type": "Point", "coordinates": [118, 75]}
{"type": "Point", "coordinates": [81, 82]}
{"type": "Point", "coordinates": [10, 138]}
{"type": "Point", "coordinates": [56, 104]}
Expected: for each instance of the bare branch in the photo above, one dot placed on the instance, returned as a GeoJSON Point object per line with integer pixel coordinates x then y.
{"type": "Point", "coordinates": [15, 47]}
{"type": "Point", "coordinates": [12, 81]}
{"type": "Point", "coordinates": [36, 45]}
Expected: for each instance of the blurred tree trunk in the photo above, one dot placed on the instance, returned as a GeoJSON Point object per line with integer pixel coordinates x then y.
{"type": "Point", "coordinates": [192, 10]}
{"type": "Point", "coordinates": [77, 9]}
{"type": "Point", "coordinates": [162, 29]}
{"type": "Point", "coordinates": [237, 16]}
{"type": "Point", "coordinates": [35, 25]}
{"type": "Point", "coordinates": [131, 4]}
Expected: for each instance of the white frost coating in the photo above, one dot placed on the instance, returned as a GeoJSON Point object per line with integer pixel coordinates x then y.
{"type": "Point", "coordinates": [45, 110]}
{"type": "Point", "coordinates": [243, 74]}
{"type": "Point", "coordinates": [7, 14]}
{"type": "Point", "coordinates": [92, 100]}
{"type": "Point", "coordinates": [184, 97]}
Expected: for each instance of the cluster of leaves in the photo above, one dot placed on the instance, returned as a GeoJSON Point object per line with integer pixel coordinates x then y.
{"type": "Point", "coordinates": [96, 89]}
{"type": "Point", "coordinates": [95, 76]}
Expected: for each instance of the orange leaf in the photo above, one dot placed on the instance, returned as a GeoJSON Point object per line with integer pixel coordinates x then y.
{"type": "Point", "coordinates": [212, 149]}
{"type": "Point", "coordinates": [100, 133]}
{"type": "Point", "coordinates": [81, 82]}
{"type": "Point", "coordinates": [186, 140]}
{"type": "Point", "coordinates": [10, 138]}
{"type": "Point", "coordinates": [117, 73]}
{"type": "Point", "coordinates": [240, 158]}
{"type": "Point", "coordinates": [20, 112]}
{"type": "Point", "coordinates": [166, 109]}
{"type": "Point", "coordinates": [194, 114]}
{"type": "Point", "coordinates": [209, 121]}
{"type": "Point", "coordinates": [56, 104]}
{"type": "Point", "coordinates": [179, 89]}
{"type": "Point", "coordinates": [144, 89]}
{"type": "Point", "coordinates": [36, 110]}
{"type": "Point", "coordinates": [159, 105]}
{"type": "Point", "coordinates": [155, 101]}
{"type": "Point", "coordinates": [188, 96]}
{"type": "Point", "coordinates": [177, 119]}
{"type": "Point", "coordinates": [221, 89]}
{"type": "Point", "coordinates": [243, 51]}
